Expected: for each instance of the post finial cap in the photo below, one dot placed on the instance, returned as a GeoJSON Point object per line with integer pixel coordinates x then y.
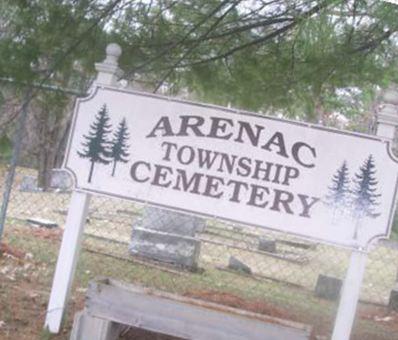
{"type": "Point", "coordinates": [391, 96]}
{"type": "Point", "coordinates": [108, 70]}
{"type": "Point", "coordinates": [114, 50]}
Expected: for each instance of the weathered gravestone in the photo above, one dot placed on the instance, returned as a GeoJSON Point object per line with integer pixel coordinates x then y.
{"type": "Point", "coordinates": [328, 287]}
{"type": "Point", "coordinates": [266, 244]}
{"type": "Point", "coordinates": [167, 236]}
{"type": "Point", "coordinates": [60, 180]}
{"type": "Point", "coordinates": [29, 184]}
{"type": "Point", "coordinates": [239, 266]}
{"type": "Point", "coordinates": [393, 301]}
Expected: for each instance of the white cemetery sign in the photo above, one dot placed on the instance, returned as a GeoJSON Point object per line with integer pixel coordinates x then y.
{"type": "Point", "coordinates": [324, 184]}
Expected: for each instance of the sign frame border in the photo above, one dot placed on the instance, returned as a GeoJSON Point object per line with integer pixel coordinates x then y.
{"type": "Point", "coordinates": [94, 90]}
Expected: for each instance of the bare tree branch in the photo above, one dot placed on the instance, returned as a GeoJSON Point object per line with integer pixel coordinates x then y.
{"type": "Point", "coordinates": [181, 41]}
{"type": "Point", "coordinates": [209, 30]}
{"type": "Point", "coordinates": [267, 37]}
{"type": "Point", "coordinates": [371, 45]}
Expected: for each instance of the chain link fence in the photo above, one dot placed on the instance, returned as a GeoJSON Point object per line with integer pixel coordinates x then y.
{"type": "Point", "coordinates": [237, 265]}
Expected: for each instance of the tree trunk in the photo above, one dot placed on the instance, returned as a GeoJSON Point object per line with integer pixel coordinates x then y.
{"type": "Point", "coordinates": [355, 232]}
{"type": "Point", "coordinates": [43, 148]}
{"type": "Point", "coordinates": [61, 145]}
{"type": "Point", "coordinates": [47, 157]}
{"type": "Point", "coordinates": [42, 176]}
{"type": "Point", "coordinates": [114, 168]}
{"type": "Point", "coordinates": [52, 131]}
{"type": "Point", "coordinates": [91, 171]}
{"type": "Point", "coordinates": [357, 226]}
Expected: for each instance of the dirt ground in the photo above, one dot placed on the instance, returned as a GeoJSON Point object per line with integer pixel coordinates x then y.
{"type": "Point", "coordinates": [25, 284]}
{"type": "Point", "coordinates": [23, 301]}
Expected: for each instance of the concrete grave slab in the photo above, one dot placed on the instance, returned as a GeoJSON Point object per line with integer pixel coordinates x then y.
{"type": "Point", "coordinates": [170, 222]}
{"type": "Point", "coordinates": [190, 318]}
{"type": "Point", "coordinates": [174, 249]}
{"type": "Point", "coordinates": [41, 222]}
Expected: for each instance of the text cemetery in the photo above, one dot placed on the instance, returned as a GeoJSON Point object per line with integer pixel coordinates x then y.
{"type": "Point", "coordinates": [226, 164]}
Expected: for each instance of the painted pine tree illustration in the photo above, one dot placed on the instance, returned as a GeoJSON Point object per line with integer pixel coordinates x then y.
{"type": "Point", "coordinates": [339, 190]}
{"type": "Point", "coordinates": [338, 195]}
{"type": "Point", "coordinates": [364, 195]}
{"type": "Point", "coordinates": [95, 147]}
{"type": "Point", "coordinates": [119, 146]}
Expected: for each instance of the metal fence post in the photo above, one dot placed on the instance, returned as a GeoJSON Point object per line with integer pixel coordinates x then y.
{"type": "Point", "coordinates": [108, 73]}
{"type": "Point", "coordinates": [14, 160]}
{"type": "Point", "coordinates": [387, 121]}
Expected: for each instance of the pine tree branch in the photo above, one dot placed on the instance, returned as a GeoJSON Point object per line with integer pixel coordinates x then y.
{"type": "Point", "coordinates": [371, 45]}
{"type": "Point", "coordinates": [267, 37]}
{"type": "Point", "coordinates": [109, 10]}
{"type": "Point", "coordinates": [225, 33]}
{"type": "Point", "coordinates": [10, 119]}
{"type": "Point", "coordinates": [208, 31]}
{"type": "Point", "coordinates": [178, 43]}
{"type": "Point", "coordinates": [245, 28]}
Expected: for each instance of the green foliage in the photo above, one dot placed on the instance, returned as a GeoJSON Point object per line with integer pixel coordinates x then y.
{"type": "Point", "coordinates": [39, 33]}
{"type": "Point", "coordinates": [46, 335]}
{"type": "Point", "coordinates": [272, 58]}
{"type": "Point", "coordinates": [5, 148]}
{"type": "Point", "coordinates": [282, 57]}
{"type": "Point", "coordinates": [1, 99]}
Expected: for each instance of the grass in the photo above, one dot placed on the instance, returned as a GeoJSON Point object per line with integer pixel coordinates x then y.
{"type": "Point", "coordinates": [46, 335]}
{"type": "Point", "coordinates": [108, 220]}
{"type": "Point", "coordinates": [92, 265]}
{"type": "Point", "coordinates": [278, 294]}
{"type": "Point", "coordinates": [261, 295]}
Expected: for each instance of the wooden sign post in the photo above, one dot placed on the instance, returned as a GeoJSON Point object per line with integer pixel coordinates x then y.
{"type": "Point", "coordinates": [387, 122]}
{"type": "Point", "coordinates": [108, 73]}
{"type": "Point", "coordinates": [327, 185]}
